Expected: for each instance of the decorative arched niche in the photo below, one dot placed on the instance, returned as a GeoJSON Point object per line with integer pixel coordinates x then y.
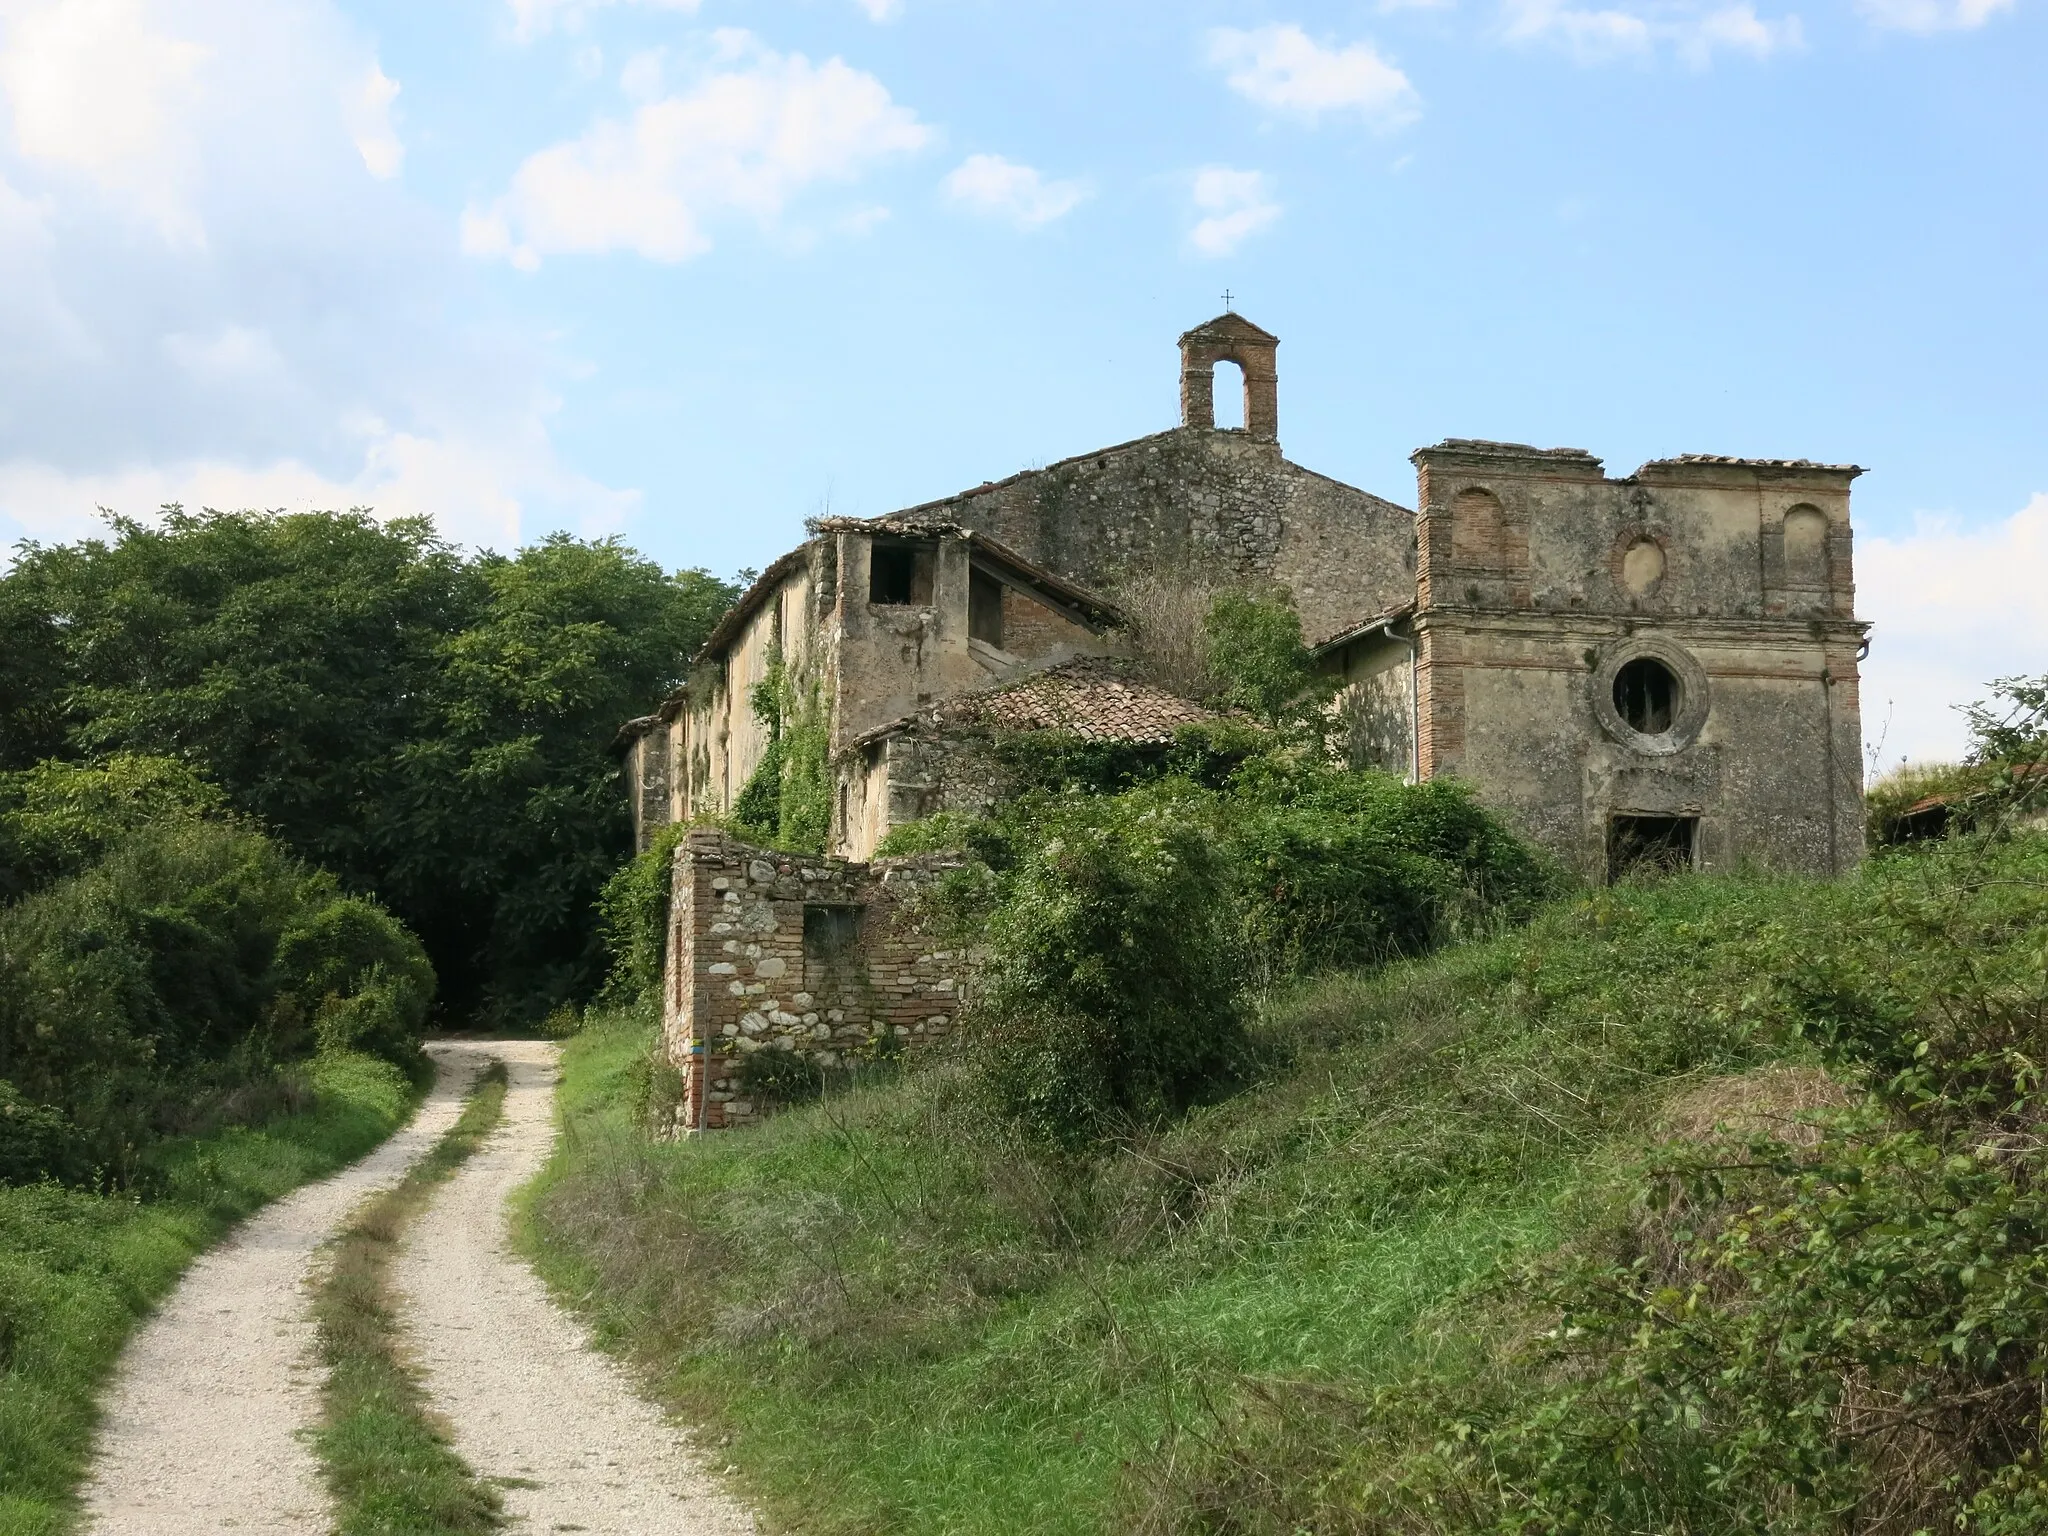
{"type": "Point", "coordinates": [1806, 547]}
{"type": "Point", "coordinates": [1477, 527]}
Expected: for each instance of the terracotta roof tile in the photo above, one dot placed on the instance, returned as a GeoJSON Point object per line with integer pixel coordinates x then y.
{"type": "Point", "coordinates": [1099, 699]}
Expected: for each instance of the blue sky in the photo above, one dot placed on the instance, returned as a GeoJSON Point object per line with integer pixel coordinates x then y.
{"type": "Point", "coordinates": [693, 272]}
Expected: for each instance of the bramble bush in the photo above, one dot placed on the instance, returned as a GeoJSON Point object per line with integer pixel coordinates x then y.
{"type": "Point", "coordinates": [1127, 936]}
{"type": "Point", "coordinates": [1108, 997]}
{"type": "Point", "coordinates": [164, 958]}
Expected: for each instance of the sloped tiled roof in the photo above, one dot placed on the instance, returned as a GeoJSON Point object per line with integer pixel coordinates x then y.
{"type": "Point", "coordinates": [1101, 700]}
{"type": "Point", "coordinates": [1094, 697]}
{"type": "Point", "coordinates": [2020, 771]}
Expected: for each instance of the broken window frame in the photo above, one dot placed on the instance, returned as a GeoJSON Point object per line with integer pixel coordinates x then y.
{"type": "Point", "coordinates": [902, 572]}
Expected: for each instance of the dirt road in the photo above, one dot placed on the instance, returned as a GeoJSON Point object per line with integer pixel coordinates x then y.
{"type": "Point", "coordinates": [530, 1403]}
{"type": "Point", "coordinates": [205, 1423]}
{"type": "Point", "coordinates": [202, 1426]}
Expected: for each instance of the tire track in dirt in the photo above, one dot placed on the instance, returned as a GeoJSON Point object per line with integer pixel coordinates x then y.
{"type": "Point", "coordinates": [202, 1426]}
{"type": "Point", "coordinates": [530, 1403]}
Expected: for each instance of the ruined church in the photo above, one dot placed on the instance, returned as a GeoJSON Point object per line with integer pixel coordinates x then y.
{"type": "Point", "coordinates": [1659, 668]}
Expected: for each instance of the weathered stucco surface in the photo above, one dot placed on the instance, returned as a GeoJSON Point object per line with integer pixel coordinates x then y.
{"type": "Point", "coordinates": [1211, 503]}
{"type": "Point", "coordinates": [1541, 578]}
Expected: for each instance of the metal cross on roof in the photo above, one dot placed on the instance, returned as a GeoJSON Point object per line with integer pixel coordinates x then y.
{"type": "Point", "coordinates": [1226, 303]}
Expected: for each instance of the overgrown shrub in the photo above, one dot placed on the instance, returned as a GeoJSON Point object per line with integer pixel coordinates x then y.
{"type": "Point", "coordinates": [1336, 868]}
{"type": "Point", "coordinates": [194, 957]}
{"type": "Point", "coordinates": [1256, 654]}
{"type": "Point", "coordinates": [57, 817]}
{"type": "Point", "coordinates": [633, 916]}
{"type": "Point", "coordinates": [787, 800]}
{"type": "Point", "coordinates": [1109, 997]}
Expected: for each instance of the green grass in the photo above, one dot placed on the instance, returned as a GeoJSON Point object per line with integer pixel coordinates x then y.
{"type": "Point", "coordinates": [895, 1319]}
{"type": "Point", "coordinates": [387, 1461]}
{"type": "Point", "coordinates": [79, 1270]}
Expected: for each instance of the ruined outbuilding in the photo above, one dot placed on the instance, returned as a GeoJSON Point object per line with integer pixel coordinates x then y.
{"type": "Point", "coordinates": [1659, 669]}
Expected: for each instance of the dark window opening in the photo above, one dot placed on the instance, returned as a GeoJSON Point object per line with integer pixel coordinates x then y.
{"type": "Point", "coordinates": [830, 933]}
{"type": "Point", "coordinates": [1650, 845]}
{"type": "Point", "coordinates": [901, 573]}
{"type": "Point", "coordinates": [1646, 694]}
{"type": "Point", "coordinates": [985, 609]}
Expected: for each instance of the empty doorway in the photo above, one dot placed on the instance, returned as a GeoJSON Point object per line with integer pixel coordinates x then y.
{"type": "Point", "coordinates": [1650, 845]}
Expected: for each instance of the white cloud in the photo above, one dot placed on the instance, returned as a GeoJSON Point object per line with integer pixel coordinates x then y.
{"type": "Point", "coordinates": [536, 18]}
{"type": "Point", "coordinates": [214, 289]}
{"type": "Point", "coordinates": [477, 492]}
{"type": "Point", "coordinates": [1931, 15]}
{"type": "Point", "coordinates": [1600, 36]}
{"type": "Point", "coordinates": [1282, 67]}
{"type": "Point", "coordinates": [368, 110]}
{"type": "Point", "coordinates": [1003, 189]}
{"type": "Point", "coordinates": [1234, 205]}
{"type": "Point", "coordinates": [1951, 609]}
{"type": "Point", "coordinates": [96, 88]}
{"type": "Point", "coordinates": [755, 130]}
{"type": "Point", "coordinates": [232, 354]}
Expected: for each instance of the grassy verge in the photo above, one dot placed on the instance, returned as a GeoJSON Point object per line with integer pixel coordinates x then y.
{"type": "Point", "coordinates": [79, 1270]}
{"type": "Point", "coordinates": [389, 1464]}
{"type": "Point", "coordinates": [899, 1320]}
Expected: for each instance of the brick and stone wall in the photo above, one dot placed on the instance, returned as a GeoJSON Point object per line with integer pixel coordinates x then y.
{"type": "Point", "coordinates": [774, 952]}
{"type": "Point", "coordinates": [1541, 578]}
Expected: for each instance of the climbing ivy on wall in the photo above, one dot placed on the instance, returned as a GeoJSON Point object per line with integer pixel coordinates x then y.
{"type": "Point", "coordinates": [787, 801]}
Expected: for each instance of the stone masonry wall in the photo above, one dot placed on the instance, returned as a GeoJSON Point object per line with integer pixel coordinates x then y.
{"type": "Point", "coordinates": [1217, 502]}
{"type": "Point", "coordinates": [815, 957]}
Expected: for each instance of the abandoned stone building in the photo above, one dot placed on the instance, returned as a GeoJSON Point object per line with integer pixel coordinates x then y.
{"type": "Point", "coordinates": [1660, 667]}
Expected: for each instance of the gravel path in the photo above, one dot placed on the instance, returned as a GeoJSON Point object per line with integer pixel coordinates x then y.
{"type": "Point", "coordinates": [201, 1427]}
{"type": "Point", "coordinates": [530, 1403]}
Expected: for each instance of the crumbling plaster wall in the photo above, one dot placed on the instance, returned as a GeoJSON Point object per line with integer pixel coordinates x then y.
{"type": "Point", "coordinates": [1538, 581]}
{"type": "Point", "coordinates": [740, 978]}
{"type": "Point", "coordinates": [1208, 500]}
{"type": "Point", "coordinates": [715, 741]}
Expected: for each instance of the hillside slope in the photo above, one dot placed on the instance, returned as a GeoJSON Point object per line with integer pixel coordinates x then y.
{"type": "Point", "coordinates": [900, 1320]}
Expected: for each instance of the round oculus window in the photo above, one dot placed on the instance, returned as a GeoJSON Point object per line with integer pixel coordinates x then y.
{"type": "Point", "coordinates": [1647, 695]}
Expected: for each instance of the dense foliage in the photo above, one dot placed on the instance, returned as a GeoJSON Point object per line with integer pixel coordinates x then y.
{"type": "Point", "coordinates": [1109, 997]}
{"type": "Point", "coordinates": [1124, 935]}
{"type": "Point", "coordinates": [1256, 654]}
{"type": "Point", "coordinates": [164, 960]}
{"type": "Point", "coordinates": [787, 800]}
{"type": "Point", "coordinates": [431, 727]}
{"type": "Point", "coordinates": [633, 915]}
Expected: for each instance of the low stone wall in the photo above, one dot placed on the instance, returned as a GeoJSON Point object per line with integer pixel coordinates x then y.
{"type": "Point", "coordinates": [820, 959]}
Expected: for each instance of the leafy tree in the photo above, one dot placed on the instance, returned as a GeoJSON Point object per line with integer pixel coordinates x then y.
{"type": "Point", "coordinates": [2014, 729]}
{"type": "Point", "coordinates": [58, 818]}
{"type": "Point", "coordinates": [510, 794]}
{"type": "Point", "coordinates": [431, 727]}
{"type": "Point", "coordinates": [1256, 650]}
